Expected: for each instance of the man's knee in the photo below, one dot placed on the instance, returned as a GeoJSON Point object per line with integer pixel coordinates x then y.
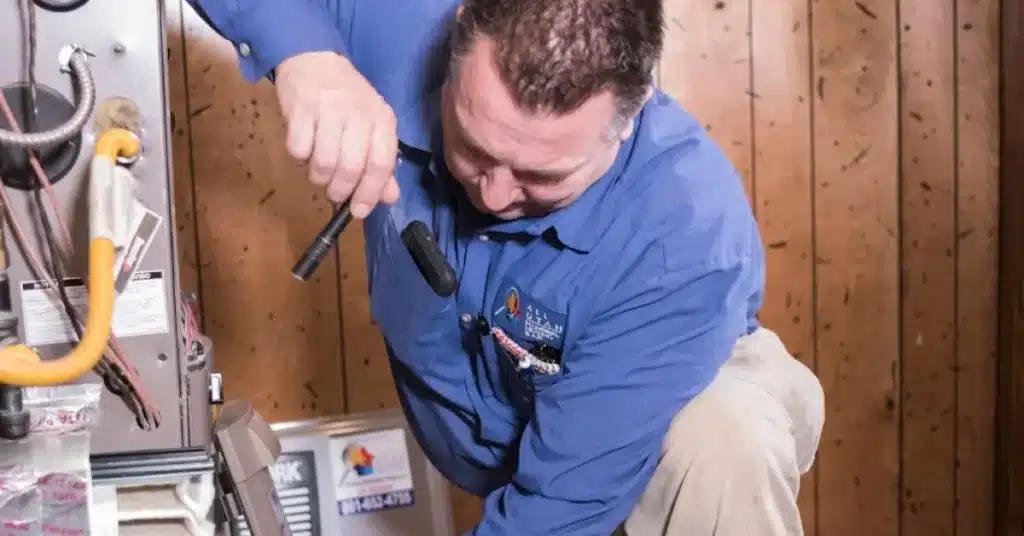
{"type": "Point", "coordinates": [807, 414]}
{"type": "Point", "coordinates": [739, 437]}
{"type": "Point", "coordinates": [762, 361]}
{"type": "Point", "coordinates": [732, 459]}
{"type": "Point", "coordinates": [762, 417]}
{"type": "Point", "coordinates": [728, 468]}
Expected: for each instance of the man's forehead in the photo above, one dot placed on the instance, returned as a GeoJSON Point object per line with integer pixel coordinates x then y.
{"type": "Point", "coordinates": [527, 145]}
{"type": "Point", "coordinates": [489, 119]}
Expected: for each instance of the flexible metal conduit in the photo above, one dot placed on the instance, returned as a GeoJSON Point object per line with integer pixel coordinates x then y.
{"type": "Point", "coordinates": [73, 58]}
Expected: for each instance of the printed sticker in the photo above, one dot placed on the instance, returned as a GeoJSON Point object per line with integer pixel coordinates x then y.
{"type": "Point", "coordinates": [372, 472]}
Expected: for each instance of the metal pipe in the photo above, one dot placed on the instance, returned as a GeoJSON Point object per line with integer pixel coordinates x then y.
{"type": "Point", "coordinates": [71, 58]}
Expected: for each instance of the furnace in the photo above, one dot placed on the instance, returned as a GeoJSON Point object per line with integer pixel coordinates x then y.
{"type": "Point", "coordinates": [77, 73]}
{"type": "Point", "coordinates": [96, 332]}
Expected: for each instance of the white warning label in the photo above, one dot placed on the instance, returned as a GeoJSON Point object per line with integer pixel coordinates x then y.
{"type": "Point", "coordinates": [145, 225]}
{"type": "Point", "coordinates": [140, 309]}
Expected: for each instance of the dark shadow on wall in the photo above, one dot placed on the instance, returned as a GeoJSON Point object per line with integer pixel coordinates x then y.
{"type": "Point", "coordinates": [1009, 469]}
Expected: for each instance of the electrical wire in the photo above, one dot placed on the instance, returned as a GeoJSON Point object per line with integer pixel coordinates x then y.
{"type": "Point", "coordinates": [33, 89]}
{"type": "Point", "coordinates": [114, 358]}
{"type": "Point", "coordinates": [191, 326]}
{"type": "Point", "coordinates": [119, 375]}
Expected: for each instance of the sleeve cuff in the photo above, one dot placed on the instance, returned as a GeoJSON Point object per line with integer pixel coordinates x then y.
{"type": "Point", "coordinates": [276, 30]}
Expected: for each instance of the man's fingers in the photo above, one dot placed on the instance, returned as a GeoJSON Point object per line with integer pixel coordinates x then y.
{"type": "Point", "coordinates": [326, 148]}
{"type": "Point", "coordinates": [380, 167]}
{"type": "Point", "coordinates": [341, 128]}
{"type": "Point", "coordinates": [351, 161]}
{"type": "Point", "coordinates": [388, 137]}
{"type": "Point", "coordinates": [301, 132]}
{"type": "Point", "coordinates": [391, 192]}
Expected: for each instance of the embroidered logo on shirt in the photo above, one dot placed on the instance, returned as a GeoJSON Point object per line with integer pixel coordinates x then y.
{"type": "Point", "coordinates": [538, 323]}
{"type": "Point", "coordinates": [511, 307]}
{"type": "Point", "coordinates": [526, 332]}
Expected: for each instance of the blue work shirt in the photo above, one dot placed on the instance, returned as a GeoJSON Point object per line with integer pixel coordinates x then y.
{"type": "Point", "coordinates": [643, 285]}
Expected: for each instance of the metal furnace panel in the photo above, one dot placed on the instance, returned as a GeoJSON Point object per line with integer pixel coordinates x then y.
{"type": "Point", "coordinates": [128, 47]}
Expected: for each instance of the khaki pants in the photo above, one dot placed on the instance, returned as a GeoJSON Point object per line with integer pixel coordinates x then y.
{"type": "Point", "coordinates": [732, 459]}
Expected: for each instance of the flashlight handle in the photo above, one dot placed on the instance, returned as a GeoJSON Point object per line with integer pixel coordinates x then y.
{"type": "Point", "coordinates": [322, 244]}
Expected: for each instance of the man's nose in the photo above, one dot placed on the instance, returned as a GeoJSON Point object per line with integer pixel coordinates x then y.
{"type": "Point", "coordinates": [499, 190]}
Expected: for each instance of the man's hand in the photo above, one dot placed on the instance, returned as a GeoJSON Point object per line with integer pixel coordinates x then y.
{"type": "Point", "coordinates": [342, 127]}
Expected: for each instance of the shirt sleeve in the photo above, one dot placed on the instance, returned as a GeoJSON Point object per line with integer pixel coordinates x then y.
{"type": "Point", "coordinates": [267, 32]}
{"type": "Point", "coordinates": [596, 434]}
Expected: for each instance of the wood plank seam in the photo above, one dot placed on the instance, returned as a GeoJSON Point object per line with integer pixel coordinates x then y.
{"type": "Point", "coordinates": [813, 185]}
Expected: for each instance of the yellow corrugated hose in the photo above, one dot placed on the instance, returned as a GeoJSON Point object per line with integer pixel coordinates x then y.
{"type": "Point", "coordinates": [20, 365]}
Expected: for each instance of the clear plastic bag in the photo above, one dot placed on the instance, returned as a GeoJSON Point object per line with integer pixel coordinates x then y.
{"type": "Point", "coordinates": [45, 478]}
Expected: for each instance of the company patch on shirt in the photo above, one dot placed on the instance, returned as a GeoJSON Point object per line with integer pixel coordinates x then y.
{"type": "Point", "coordinates": [527, 332]}
{"type": "Point", "coordinates": [525, 317]}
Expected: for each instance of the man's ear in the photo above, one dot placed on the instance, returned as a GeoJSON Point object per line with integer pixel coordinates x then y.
{"type": "Point", "coordinates": [627, 129]}
{"type": "Point", "coordinates": [458, 10]}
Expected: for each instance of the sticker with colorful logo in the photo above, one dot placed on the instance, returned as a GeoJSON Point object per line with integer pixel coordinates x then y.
{"type": "Point", "coordinates": [372, 472]}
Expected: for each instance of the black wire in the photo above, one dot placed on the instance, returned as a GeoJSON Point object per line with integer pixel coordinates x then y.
{"type": "Point", "coordinates": [33, 103]}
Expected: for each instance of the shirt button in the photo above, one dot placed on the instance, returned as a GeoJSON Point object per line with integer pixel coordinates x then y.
{"type": "Point", "coordinates": [484, 237]}
{"type": "Point", "coordinates": [466, 319]}
{"type": "Point", "coordinates": [244, 50]}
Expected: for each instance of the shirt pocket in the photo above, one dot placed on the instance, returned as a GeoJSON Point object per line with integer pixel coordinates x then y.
{"type": "Point", "coordinates": [407, 310]}
{"type": "Point", "coordinates": [522, 323]}
{"type": "Point", "coordinates": [522, 384]}
{"type": "Point", "coordinates": [542, 382]}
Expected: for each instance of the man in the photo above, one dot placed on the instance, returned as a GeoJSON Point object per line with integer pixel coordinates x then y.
{"type": "Point", "coordinates": [601, 367]}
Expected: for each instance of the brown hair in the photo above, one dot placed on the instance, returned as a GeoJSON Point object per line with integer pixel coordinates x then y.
{"type": "Point", "coordinates": [554, 55]}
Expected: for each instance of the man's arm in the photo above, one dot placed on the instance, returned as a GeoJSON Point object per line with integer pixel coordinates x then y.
{"type": "Point", "coordinates": [267, 32]}
{"type": "Point", "coordinates": [596, 436]}
{"type": "Point", "coordinates": [336, 121]}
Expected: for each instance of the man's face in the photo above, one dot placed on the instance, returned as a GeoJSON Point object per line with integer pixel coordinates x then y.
{"type": "Point", "coordinates": [512, 163]}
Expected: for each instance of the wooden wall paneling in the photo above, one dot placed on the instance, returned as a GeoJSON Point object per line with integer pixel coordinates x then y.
{"type": "Point", "coordinates": [782, 165]}
{"type": "Point", "coordinates": [977, 218]}
{"type": "Point", "coordinates": [856, 166]}
{"type": "Point", "coordinates": [928, 264]}
{"type": "Point", "coordinates": [1009, 497]}
{"type": "Point", "coordinates": [276, 340]}
{"type": "Point", "coordinates": [467, 510]}
{"type": "Point", "coordinates": [706, 66]}
{"type": "Point", "coordinates": [370, 384]}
